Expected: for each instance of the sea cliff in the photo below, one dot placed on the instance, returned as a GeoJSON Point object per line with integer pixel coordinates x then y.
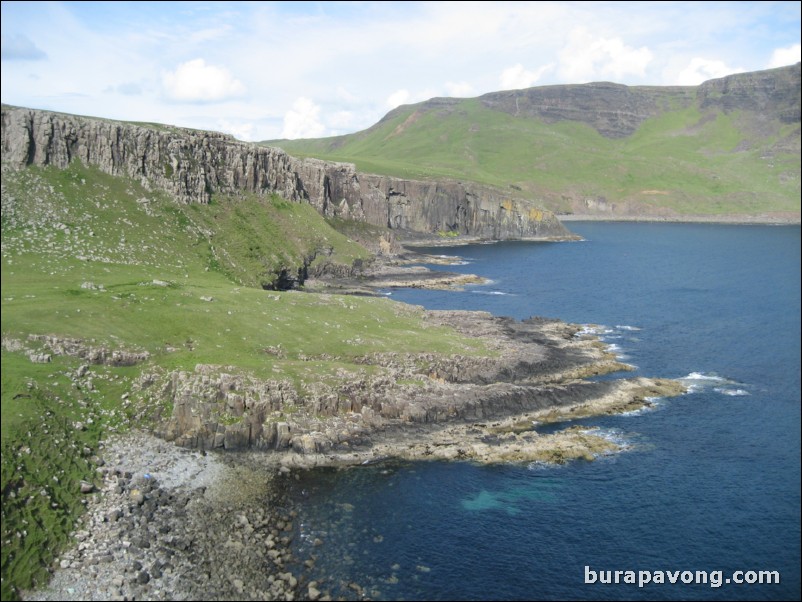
{"type": "Point", "coordinates": [194, 165]}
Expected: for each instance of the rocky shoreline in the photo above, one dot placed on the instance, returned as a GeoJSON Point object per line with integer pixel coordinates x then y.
{"type": "Point", "coordinates": [169, 523]}
{"type": "Point", "coordinates": [182, 523]}
{"type": "Point", "coordinates": [770, 219]}
{"type": "Point", "coordinates": [174, 524]}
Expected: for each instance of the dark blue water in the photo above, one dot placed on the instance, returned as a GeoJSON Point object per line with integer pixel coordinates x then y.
{"type": "Point", "coordinates": [712, 482]}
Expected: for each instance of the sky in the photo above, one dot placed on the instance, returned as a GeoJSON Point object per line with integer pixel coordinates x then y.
{"type": "Point", "coordinates": [268, 70]}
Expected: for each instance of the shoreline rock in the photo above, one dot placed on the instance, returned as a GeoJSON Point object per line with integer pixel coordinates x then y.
{"type": "Point", "coordinates": [173, 524]}
{"type": "Point", "coordinates": [531, 365]}
{"type": "Point", "coordinates": [760, 219]}
{"type": "Point", "coordinates": [170, 523]}
{"type": "Point", "coordinates": [514, 438]}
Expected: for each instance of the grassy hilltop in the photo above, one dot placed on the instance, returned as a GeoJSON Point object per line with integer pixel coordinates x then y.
{"type": "Point", "coordinates": [727, 147]}
{"type": "Point", "coordinates": [103, 265]}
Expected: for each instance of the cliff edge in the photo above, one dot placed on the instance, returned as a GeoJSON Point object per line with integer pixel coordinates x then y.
{"type": "Point", "coordinates": [194, 165]}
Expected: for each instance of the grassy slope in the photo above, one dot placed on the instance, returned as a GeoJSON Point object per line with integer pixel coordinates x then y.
{"type": "Point", "coordinates": [98, 258]}
{"type": "Point", "coordinates": [682, 160]}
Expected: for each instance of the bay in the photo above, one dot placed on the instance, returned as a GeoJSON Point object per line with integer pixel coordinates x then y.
{"type": "Point", "coordinates": [711, 480]}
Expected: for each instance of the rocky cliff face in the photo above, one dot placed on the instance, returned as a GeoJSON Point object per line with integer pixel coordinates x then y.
{"type": "Point", "coordinates": [193, 165]}
{"type": "Point", "coordinates": [616, 111]}
{"type": "Point", "coordinates": [771, 92]}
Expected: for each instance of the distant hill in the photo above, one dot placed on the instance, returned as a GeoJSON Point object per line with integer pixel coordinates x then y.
{"type": "Point", "coordinates": [729, 146]}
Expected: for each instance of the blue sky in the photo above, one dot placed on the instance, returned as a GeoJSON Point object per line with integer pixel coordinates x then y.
{"type": "Point", "coordinates": [263, 70]}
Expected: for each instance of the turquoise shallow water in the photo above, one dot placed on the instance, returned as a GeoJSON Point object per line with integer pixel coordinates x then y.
{"type": "Point", "coordinates": [712, 480]}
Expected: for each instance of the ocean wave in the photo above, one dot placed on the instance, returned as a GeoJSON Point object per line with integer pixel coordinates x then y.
{"type": "Point", "coordinates": [540, 465]}
{"type": "Point", "coordinates": [701, 381]}
{"type": "Point", "coordinates": [732, 392]}
{"type": "Point", "coordinates": [704, 377]}
{"type": "Point", "coordinates": [491, 293]}
{"type": "Point", "coordinates": [628, 328]}
{"type": "Point", "coordinates": [594, 329]}
{"type": "Point", "coordinates": [606, 334]}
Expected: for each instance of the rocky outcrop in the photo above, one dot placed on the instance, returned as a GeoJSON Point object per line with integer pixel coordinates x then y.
{"type": "Point", "coordinates": [771, 92]}
{"type": "Point", "coordinates": [614, 110]}
{"type": "Point", "coordinates": [45, 346]}
{"type": "Point", "coordinates": [535, 365]}
{"type": "Point", "coordinates": [193, 165]}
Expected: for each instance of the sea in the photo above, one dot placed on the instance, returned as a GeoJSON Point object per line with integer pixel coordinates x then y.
{"type": "Point", "coordinates": [707, 489]}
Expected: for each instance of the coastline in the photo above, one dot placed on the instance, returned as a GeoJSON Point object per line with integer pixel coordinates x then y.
{"type": "Point", "coordinates": [734, 219]}
{"type": "Point", "coordinates": [174, 523]}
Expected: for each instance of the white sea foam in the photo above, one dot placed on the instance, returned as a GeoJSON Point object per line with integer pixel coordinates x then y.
{"type": "Point", "coordinates": [704, 377]}
{"type": "Point", "coordinates": [654, 404]}
{"type": "Point", "coordinates": [614, 436]}
{"type": "Point", "coordinates": [490, 293]}
{"type": "Point", "coordinates": [540, 465]}
{"type": "Point", "coordinates": [593, 329]}
{"type": "Point", "coordinates": [731, 392]}
{"type": "Point", "coordinates": [700, 381]}
{"type": "Point", "coordinates": [629, 328]}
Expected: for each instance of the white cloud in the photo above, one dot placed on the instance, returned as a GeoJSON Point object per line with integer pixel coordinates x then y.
{"type": "Point", "coordinates": [303, 120]}
{"type": "Point", "coordinates": [587, 57]}
{"type": "Point", "coordinates": [516, 77]}
{"type": "Point", "coordinates": [240, 131]}
{"type": "Point", "coordinates": [460, 89]}
{"type": "Point", "coordinates": [19, 47]}
{"type": "Point", "coordinates": [341, 120]}
{"type": "Point", "coordinates": [397, 98]}
{"type": "Point", "coordinates": [195, 81]}
{"type": "Point", "coordinates": [700, 70]}
{"type": "Point", "coordinates": [786, 56]}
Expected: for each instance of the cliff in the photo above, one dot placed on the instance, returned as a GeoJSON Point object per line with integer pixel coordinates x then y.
{"type": "Point", "coordinates": [616, 110]}
{"type": "Point", "coordinates": [194, 165]}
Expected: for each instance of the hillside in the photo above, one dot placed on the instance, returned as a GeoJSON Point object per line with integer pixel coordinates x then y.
{"type": "Point", "coordinates": [105, 281]}
{"type": "Point", "coordinates": [726, 147]}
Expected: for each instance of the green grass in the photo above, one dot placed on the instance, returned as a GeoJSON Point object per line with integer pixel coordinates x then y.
{"type": "Point", "coordinates": [683, 160]}
{"type": "Point", "coordinates": [97, 258]}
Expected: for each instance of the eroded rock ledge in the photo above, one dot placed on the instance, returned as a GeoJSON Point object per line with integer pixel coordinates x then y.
{"type": "Point", "coordinates": [406, 405]}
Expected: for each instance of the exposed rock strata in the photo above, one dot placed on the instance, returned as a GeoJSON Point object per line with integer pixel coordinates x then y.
{"type": "Point", "coordinates": [41, 347]}
{"type": "Point", "coordinates": [616, 110]}
{"type": "Point", "coordinates": [193, 165]}
{"type": "Point", "coordinates": [536, 365]}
